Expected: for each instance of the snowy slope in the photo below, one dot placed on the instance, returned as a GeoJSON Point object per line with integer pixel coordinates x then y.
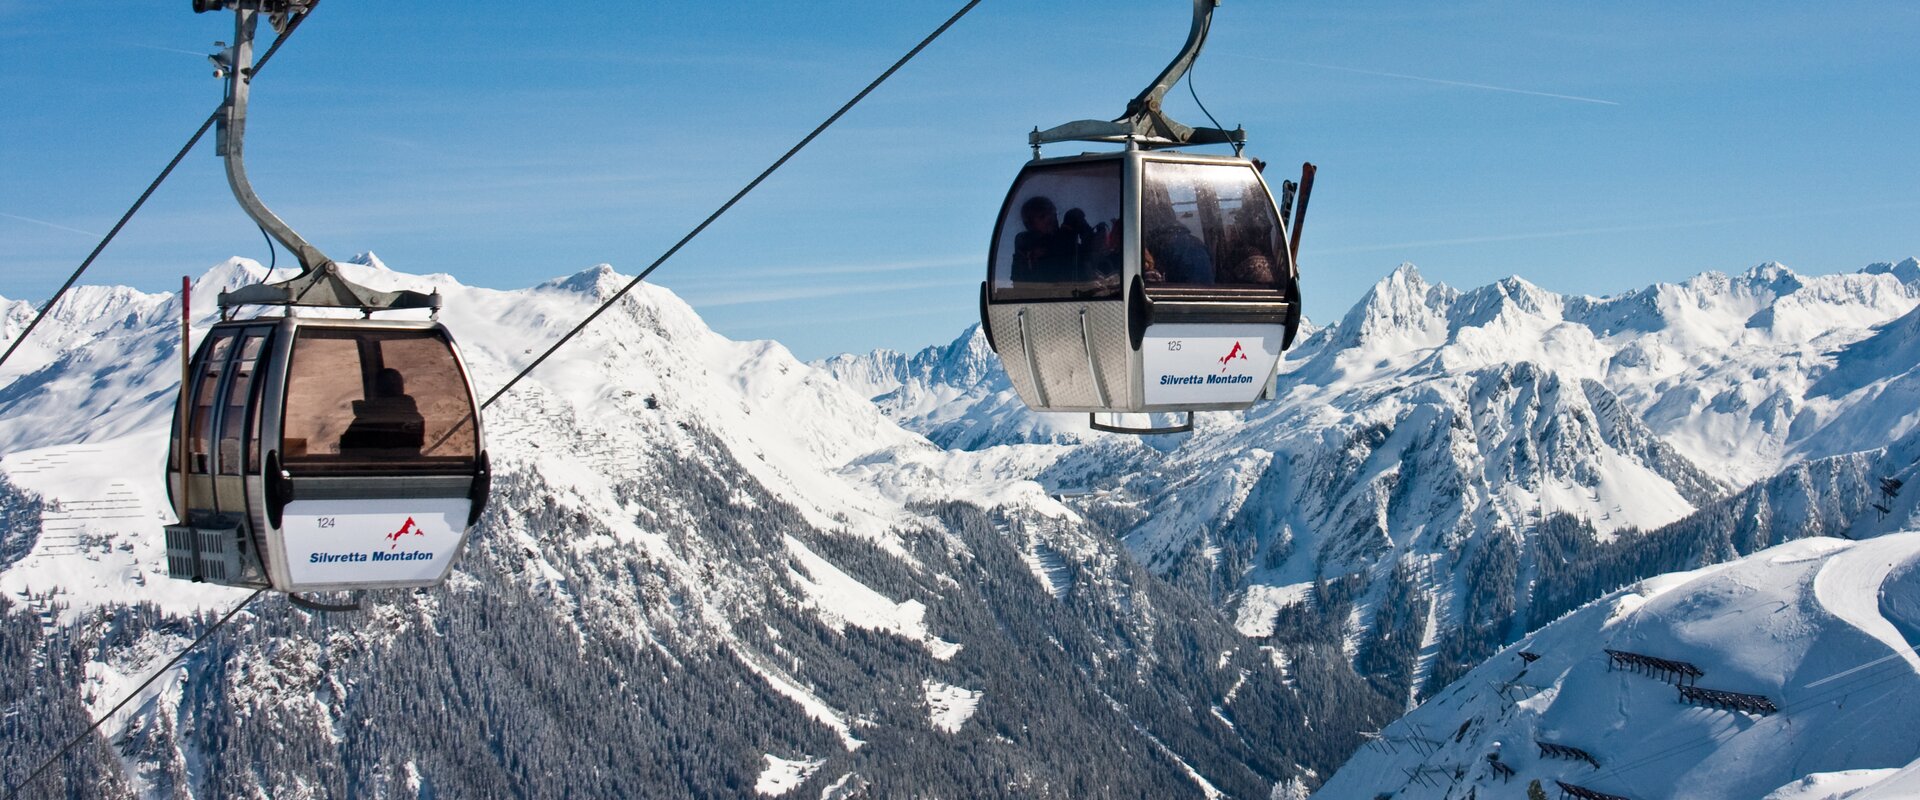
{"type": "Point", "coordinates": [1824, 628]}
{"type": "Point", "coordinates": [956, 395]}
{"type": "Point", "coordinates": [1432, 429]}
{"type": "Point", "coordinates": [103, 403]}
{"type": "Point", "coordinates": [691, 530]}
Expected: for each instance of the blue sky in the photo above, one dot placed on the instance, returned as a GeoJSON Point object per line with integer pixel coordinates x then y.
{"type": "Point", "coordinates": [1588, 147]}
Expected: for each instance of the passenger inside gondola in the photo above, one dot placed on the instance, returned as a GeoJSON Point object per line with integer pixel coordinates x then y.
{"type": "Point", "coordinates": [1172, 253]}
{"type": "Point", "coordinates": [1052, 250]}
{"type": "Point", "coordinates": [1251, 253]}
{"type": "Point", "coordinates": [386, 424]}
{"type": "Point", "coordinates": [1059, 237]}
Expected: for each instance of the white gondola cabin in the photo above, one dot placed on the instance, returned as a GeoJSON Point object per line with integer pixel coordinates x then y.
{"type": "Point", "coordinates": [1147, 279]}
{"type": "Point", "coordinates": [325, 454]}
{"type": "Point", "coordinates": [1140, 281]}
{"type": "Point", "coordinates": [318, 453]}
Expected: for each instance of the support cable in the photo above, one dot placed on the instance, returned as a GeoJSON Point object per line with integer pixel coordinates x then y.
{"type": "Point", "coordinates": [15, 791]}
{"type": "Point", "coordinates": [724, 207]}
{"type": "Point", "coordinates": [292, 25]}
{"type": "Point", "coordinates": [808, 139]}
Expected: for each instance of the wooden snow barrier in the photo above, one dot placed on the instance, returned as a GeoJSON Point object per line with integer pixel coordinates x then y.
{"type": "Point", "coordinates": [1568, 790]}
{"type": "Point", "coordinates": [1728, 701]}
{"type": "Point", "coordinates": [1515, 690]}
{"type": "Point", "coordinates": [1501, 769]}
{"type": "Point", "coordinates": [1432, 776]}
{"type": "Point", "coordinates": [1678, 673]}
{"type": "Point", "coordinates": [1561, 751]}
{"type": "Point", "coordinates": [1529, 657]}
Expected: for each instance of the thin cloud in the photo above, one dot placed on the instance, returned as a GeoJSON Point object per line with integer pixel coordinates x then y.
{"type": "Point", "coordinates": [794, 323]}
{"type": "Point", "coordinates": [54, 226]}
{"type": "Point", "coordinates": [165, 49]}
{"type": "Point", "coordinates": [1424, 79]}
{"type": "Point", "coordinates": [1516, 237]}
{"type": "Point", "coordinates": [813, 293]}
{"type": "Point", "coordinates": [1665, 226]}
{"type": "Point", "coordinates": [838, 269]}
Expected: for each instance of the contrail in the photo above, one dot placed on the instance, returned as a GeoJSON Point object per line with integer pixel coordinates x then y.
{"type": "Point", "coordinates": [1664, 226]}
{"type": "Point", "coordinates": [1516, 237]}
{"type": "Point", "coordinates": [841, 269]}
{"type": "Point", "coordinates": [48, 224]}
{"type": "Point", "coordinates": [814, 292]}
{"type": "Point", "coordinates": [164, 49]}
{"type": "Point", "coordinates": [1442, 81]}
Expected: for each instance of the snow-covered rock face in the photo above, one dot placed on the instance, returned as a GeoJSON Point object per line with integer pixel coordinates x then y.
{"type": "Point", "coordinates": [956, 395]}
{"type": "Point", "coordinates": [1431, 427]}
{"type": "Point", "coordinates": [1824, 629]}
{"type": "Point", "coordinates": [705, 565]}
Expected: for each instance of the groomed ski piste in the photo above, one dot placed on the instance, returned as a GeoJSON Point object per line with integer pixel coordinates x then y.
{"type": "Point", "coordinates": [1823, 628]}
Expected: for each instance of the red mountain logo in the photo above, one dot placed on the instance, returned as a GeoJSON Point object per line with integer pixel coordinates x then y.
{"type": "Point", "coordinates": [405, 529]}
{"type": "Point", "coordinates": [1236, 352]}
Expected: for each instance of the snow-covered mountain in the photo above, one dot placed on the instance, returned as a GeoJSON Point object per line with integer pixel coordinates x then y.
{"type": "Point", "coordinates": [880, 573]}
{"type": "Point", "coordinates": [956, 395]}
{"type": "Point", "coordinates": [708, 569]}
{"type": "Point", "coordinates": [1431, 431]}
{"type": "Point", "coordinates": [1822, 629]}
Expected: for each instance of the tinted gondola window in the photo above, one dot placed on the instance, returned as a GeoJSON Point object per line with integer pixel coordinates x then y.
{"type": "Point", "coordinates": [1208, 225]}
{"type": "Point", "coordinates": [206, 390]}
{"type": "Point", "coordinates": [1059, 235]}
{"type": "Point", "coordinates": [234, 417]}
{"type": "Point", "coordinates": [377, 401]}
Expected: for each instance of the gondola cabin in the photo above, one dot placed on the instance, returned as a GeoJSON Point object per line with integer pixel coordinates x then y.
{"type": "Point", "coordinates": [325, 454]}
{"type": "Point", "coordinates": [1140, 281]}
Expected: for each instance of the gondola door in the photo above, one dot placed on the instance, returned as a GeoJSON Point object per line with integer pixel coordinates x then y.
{"type": "Point", "coordinates": [381, 472]}
{"type": "Point", "coordinates": [1219, 283]}
{"type": "Point", "coordinates": [210, 466]}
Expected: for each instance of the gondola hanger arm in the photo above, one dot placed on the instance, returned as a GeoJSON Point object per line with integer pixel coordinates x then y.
{"type": "Point", "coordinates": [1145, 123]}
{"type": "Point", "coordinates": [319, 283]}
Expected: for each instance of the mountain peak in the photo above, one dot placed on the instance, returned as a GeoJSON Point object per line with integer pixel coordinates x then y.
{"type": "Point", "coordinates": [368, 259]}
{"type": "Point", "coordinates": [229, 275]}
{"type": "Point", "coordinates": [1774, 275]}
{"type": "Point", "coordinates": [1908, 270]}
{"type": "Point", "coordinates": [1401, 302]}
{"type": "Point", "coordinates": [598, 280]}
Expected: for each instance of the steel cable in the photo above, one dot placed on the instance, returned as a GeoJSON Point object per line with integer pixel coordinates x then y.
{"type": "Point", "coordinates": [751, 185]}
{"type": "Point", "coordinates": [292, 25]}
{"type": "Point", "coordinates": [75, 742]}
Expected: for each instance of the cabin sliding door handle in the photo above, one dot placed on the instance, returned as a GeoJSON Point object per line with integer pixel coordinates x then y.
{"type": "Point", "coordinates": [482, 486]}
{"type": "Point", "coordinates": [279, 488]}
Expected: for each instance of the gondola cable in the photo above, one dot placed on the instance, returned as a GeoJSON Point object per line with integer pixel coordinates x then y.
{"type": "Point", "coordinates": [1206, 29]}
{"type": "Point", "coordinates": [273, 253]}
{"type": "Point", "coordinates": [1196, 100]}
{"type": "Point", "coordinates": [292, 25]}
{"type": "Point", "coordinates": [75, 742]}
{"type": "Point", "coordinates": [724, 207]}
{"type": "Point", "coordinates": [1166, 286]}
